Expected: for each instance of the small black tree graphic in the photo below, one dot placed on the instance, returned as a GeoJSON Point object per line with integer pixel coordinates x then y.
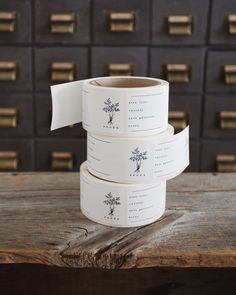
{"type": "Point", "coordinates": [111, 108]}
{"type": "Point", "coordinates": [112, 202]}
{"type": "Point", "coordinates": [138, 157]}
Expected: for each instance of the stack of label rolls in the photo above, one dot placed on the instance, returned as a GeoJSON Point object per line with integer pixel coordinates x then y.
{"type": "Point", "coordinates": [131, 149]}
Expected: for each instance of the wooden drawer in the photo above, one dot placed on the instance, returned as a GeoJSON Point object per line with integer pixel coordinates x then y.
{"type": "Point", "coordinates": [121, 22]}
{"type": "Point", "coordinates": [15, 21]}
{"type": "Point", "coordinates": [183, 68]}
{"type": "Point", "coordinates": [179, 22]}
{"type": "Point", "coordinates": [15, 69]}
{"type": "Point", "coordinates": [43, 120]}
{"type": "Point", "coordinates": [16, 115]}
{"type": "Point", "coordinates": [60, 155]}
{"type": "Point", "coordinates": [221, 72]}
{"type": "Point", "coordinates": [219, 156]}
{"type": "Point", "coordinates": [64, 22]}
{"type": "Point", "coordinates": [16, 155]}
{"type": "Point", "coordinates": [194, 154]}
{"type": "Point", "coordinates": [220, 117]}
{"type": "Point", "coordinates": [110, 61]}
{"type": "Point", "coordinates": [223, 22]}
{"type": "Point", "coordinates": [186, 110]}
{"type": "Point", "coordinates": [59, 65]}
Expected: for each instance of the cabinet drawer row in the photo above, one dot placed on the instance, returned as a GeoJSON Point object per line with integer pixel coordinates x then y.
{"type": "Point", "coordinates": [118, 22]}
{"type": "Point", "coordinates": [183, 68]}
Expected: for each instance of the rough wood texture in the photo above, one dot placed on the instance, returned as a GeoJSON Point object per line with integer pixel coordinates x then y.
{"type": "Point", "coordinates": [41, 223]}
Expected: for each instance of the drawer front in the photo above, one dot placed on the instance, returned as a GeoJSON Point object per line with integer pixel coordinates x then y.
{"type": "Point", "coordinates": [121, 22]}
{"type": "Point", "coordinates": [43, 120]}
{"type": "Point", "coordinates": [220, 117]}
{"type": "Point", "coordinates": [60, 155]}
{"type": "Point", "coordinates": [218, 156]}
{"type": "Point", "coordinates": [223, 22]}
{"type": "Point", "coordinates": [183, 68]}
{"type": "Point", "coordinates": [16, 115]}
{"type": "Point", "coordinates": [179, 22]}
{"type": "Point", "coordinates": [110, 61]}
{"type": "Point", "coordinates": [64, 22]}
{"type": "Point", "coordinates": [186, 110]}
{"type": "Point", "coordinates": [15, 69]}
{"type": "Point", "coordinates": [16, 155]}
{"type": "Point", "coordinates": [194, 154]}
{"type": "Point", "coordinates": [59, 65]}
{"type": "Point", "coordinates": [15, 21]}
{"type": "Point", "coordinates": [221, 72]}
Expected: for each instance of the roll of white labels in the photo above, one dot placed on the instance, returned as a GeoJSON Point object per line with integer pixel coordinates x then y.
{"type": "Point", "coordinates": [138, 160]}
{"type": "Point", "coordinates": [117, 204]}
{"type": "Point", "coordinates": [112, 106]}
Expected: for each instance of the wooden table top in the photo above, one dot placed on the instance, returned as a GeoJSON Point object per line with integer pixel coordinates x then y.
{"type": "Point", "coordinates": [41, 222]}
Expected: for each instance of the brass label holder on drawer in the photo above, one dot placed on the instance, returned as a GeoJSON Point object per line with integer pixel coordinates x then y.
{"type": "Point", "coordinates": [62, 161]}
{"type": "Point", "coordinates": [122, 21]}
{"type": "Point", "coordinates": [64, 23]}
{"type": "Point", "coordinates": [8, 70]}
{"type": "Point", "coordinates": [178, 119]}
{"type": "Point", "coordinates": [9, 160]}
{"type": "Point", "coordinates": [231, 19]}
{"type": "Point", "coordinates": [227, 119]}
{"type": "Point", "coordinates": [7, 21]}
{"type": "Point", "coordinates": [121, 69]}
{"type": "Point", "coordinates": [230, 74]}
{"type": "Point", "coordinates": [62, 71]}
{"type": "Point", "coordinates": [226, 163]}
{"type": "Point", "coordinates": [8, 117]}
{"type": "Point", "coordinates": [177, 73]}
{"type": "Point", "coordinates": [180, 24]}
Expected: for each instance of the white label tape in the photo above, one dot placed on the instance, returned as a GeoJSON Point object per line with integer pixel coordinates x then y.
{"type": "Point", "coordinates": [138, 160]}
{"type": "Point", "coordinates": [123, 205]}
{"type": "Point", "coordinates": [113, 106]}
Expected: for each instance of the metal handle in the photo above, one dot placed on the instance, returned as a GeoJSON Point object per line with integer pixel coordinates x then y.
{"type": "Point", "coordinates": [231, 20]}
{"type": "Point", "coordinates": [7, 21]}
{"type": "Point", "coordinates": [8, 70]}
{"type": "Point", "coordinates": [62, 71]}
{"type": "Point", "coordinates": [63, 23]}
{"type": "Point", "coordinates": [120, 69]}
{"type": "Point", "coordinates": [178, 119]}
{"type": "Point", "coordinates": [227, 119]}
{"type": "Point", "coordinates": [178, 73]}
{"type": "Point", "coordinates": [8, 117]}
{"type": "Point", "coordinates": [226, 163]}
{"type": "Point", "coordinates": [230, 74]}
{"type": "Point", "coordinates": [62, 161]}
{"type": "Point", "coordinates": [9, 160]}
{"type": "Point", "coordinates": [122, 21]}
{"type": "Point", "coordinates": [180, 24]}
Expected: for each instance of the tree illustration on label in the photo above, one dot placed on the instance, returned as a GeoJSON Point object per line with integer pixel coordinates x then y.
{"type": "Point", "coordinates": [138, 157]}
{"type": "Point", "coordinates": [112, 202]}
{"type": "Point", "coordinates": [111, 109]}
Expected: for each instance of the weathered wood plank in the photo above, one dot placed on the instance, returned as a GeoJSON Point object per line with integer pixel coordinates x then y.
{"type": "Point", "coordinates": [41, 223]}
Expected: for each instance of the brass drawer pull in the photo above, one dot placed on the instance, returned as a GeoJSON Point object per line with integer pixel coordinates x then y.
{"type": "Point", "coordinates": [64, 23]}
{"type": "Point", "coordinates": [178, 119]}
{"type": "Point", "coordinates": [9, 160]}
{"type": "Point", "coordinates": [227, 119]}
{"type": "Point", "coordinates": [226, 163]}
{"type": "Point", "coordinates": [177, 73]}
{"type": "Point", "coordinates": [122, 21]}
{"type": "Point", "coordinates": [7, 21]}
{"type": "Point", "coordinates": [62, 71]}
{"type": "Point", "coordinates": [180, 24]}
{"type": "Point", "coordinates": [8, 117]}
{"type": "Point", "coordinates": [120, 69]}
{"type": "Point", "coordinates": [231, 19]}
{"type": "Point", "coordinates": [230, 74]}
{"type": "Point", "coordinates": [8, 70]}
{"type": "Point", "coordinates": [62, 161]}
